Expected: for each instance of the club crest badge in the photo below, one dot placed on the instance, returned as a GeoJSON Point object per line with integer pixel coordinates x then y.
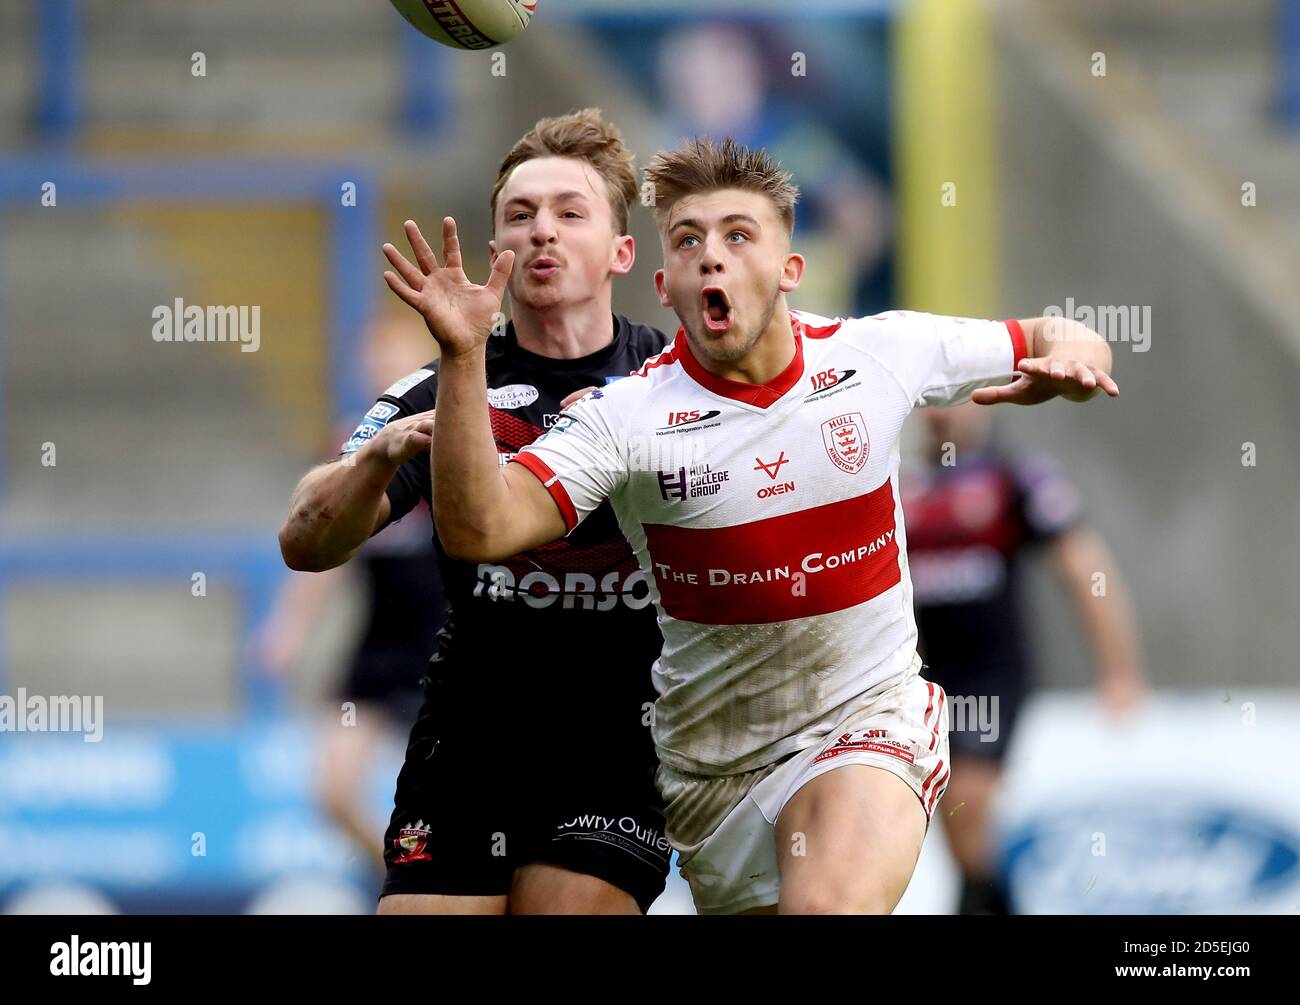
{"type": "Point", "coordinates": [845, 437]}
{"type": "Point", "coordinates": [410, 842]}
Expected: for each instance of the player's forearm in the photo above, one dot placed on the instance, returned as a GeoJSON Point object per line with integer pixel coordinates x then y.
{"type": "Point", "coordinates": [1067, 339]}
{"type": "Point", "coordinates": [1112, 633]}
{"type": "Point", "coordinates": [334, 510]}
{"type": "Point", "coordinates": [1101, 602]}
{"type": "Point", "coordinates": [470, 496]}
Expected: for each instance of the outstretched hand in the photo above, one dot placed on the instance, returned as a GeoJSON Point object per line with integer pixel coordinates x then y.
{"type": "Point", "coordinates": [1046, 377]}
{"type": "Point", "coordinates": [459, 314]}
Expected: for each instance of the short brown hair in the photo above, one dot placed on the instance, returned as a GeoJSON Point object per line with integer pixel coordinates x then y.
{"type": "Point", "coordinates": [700, 165]}
{"type": "Point", "coordinates": [584, 136]}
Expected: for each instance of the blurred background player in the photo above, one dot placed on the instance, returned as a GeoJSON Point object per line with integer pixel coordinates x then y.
{"type": "Point", "coordinates": [973, 512]}
{"type": "Point", "coordinates": [396, 574]}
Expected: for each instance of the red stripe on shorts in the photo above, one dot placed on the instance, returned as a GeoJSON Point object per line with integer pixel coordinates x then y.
{"type": "Point", "coordinates": [934, 793]}
{"type": "Point", "coordinates": [934, 730]}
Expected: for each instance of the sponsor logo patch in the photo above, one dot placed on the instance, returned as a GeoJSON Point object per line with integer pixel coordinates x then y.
{"type": "Point", "coordinates": [382, 412]}
{"type": "Point", "coordinates": [627, 834]}
{"type": "Point", "coordinates": [571, 590]}
{"type": "Point", "coordinates": [828, 379]}
{"type": "Point", "coordinates": [871, 741]}
{"type": "Point", "coordinates": [406, 383]}
{"type": "Point", "coordinates": [744, 574]}
{"type": "Point", "coordinates": [686, 418]}
{"type": "Point", "coordinates": [773, 468]}
{"type": "Point", "coordinates": [512, 396]}
{"type": "Point", "coordinates": [694, 419]}
{"type": "Point", "coordinates": [562, 422]}
{"type": "Point", "coordinates": [694, 482]}
{"type": "Point", "coordinates": [362, 435]}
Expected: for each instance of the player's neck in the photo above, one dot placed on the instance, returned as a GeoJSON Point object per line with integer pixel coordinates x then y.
{"type": "Point", "coordinates": [770, 355]}
{"type": "Point", "coordinates": [569, 331]}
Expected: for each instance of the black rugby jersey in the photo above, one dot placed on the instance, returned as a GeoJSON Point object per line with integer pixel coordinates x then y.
{"type": "Point", "coordinates": [573, 618]}
{"type": "Point", "coordinates": [968, 528]}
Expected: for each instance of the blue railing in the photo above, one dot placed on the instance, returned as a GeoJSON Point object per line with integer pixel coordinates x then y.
{"type": "Point", "coordinates": [58, 95]}
{"type": "Point", "coordinates": [1289, 62]}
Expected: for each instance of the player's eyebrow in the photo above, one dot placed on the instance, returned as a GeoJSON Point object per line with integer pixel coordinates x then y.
{"type": "Point", "coordinates": [729, 218]}
{"type": "Point", "coordinates": [528, 203]}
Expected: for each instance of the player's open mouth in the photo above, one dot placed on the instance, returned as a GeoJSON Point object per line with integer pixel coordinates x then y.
{"type": "Point", "coordinates": [543, 267]}
{"type": "Point", "coordinates": [717, 308]}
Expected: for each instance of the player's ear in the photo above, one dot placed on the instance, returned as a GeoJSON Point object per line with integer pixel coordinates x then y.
{"type": "Point", "coordinates": [492, 253]}
{"type": "Point", "coordinates": [624, 255]}
{"type": "Point", "coordinates": [792, 273]}
{"type": "Point", "coordinates": [662, 289]}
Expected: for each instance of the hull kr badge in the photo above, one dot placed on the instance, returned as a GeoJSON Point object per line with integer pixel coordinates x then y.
{"type": "Point", "coordinates": [846, 441]}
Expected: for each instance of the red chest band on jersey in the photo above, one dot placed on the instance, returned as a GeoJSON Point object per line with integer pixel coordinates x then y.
{"type": "Point", "coordinates": [817, 561]}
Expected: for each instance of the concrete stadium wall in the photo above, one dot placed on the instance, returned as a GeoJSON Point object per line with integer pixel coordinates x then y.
{"type": "Point", "coordinates": [1101, 202]}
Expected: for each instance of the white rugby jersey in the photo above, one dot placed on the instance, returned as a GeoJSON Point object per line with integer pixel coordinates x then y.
{"type": "Point", "coordinates": [768, 518]}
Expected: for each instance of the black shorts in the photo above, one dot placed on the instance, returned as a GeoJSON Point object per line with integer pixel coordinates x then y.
{"type": "Point", "coordinates": [387, 678]}
{"type": "Point", "coordinates": [479, 796]}
{"type": "Point", "coordinates": [983, 704]}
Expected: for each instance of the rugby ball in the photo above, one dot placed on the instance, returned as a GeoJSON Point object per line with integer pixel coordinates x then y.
{"type": "Point", "coordinates": [468, 24]}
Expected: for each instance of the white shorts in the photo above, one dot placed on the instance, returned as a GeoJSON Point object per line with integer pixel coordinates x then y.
{"type": "Point", "coordinates": [724, 826]}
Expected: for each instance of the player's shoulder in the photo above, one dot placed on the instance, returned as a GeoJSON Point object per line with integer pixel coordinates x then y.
{"type": "Point", "coordinates": [662, 365]}
{"type": "Point", "coordinates": [859, 331]}
{"type": "Point", "coordinates": [416, 392]}
{"type": "Point", "coordinates": [816, 326]}
{"type": "Point", "coordinates": [622, 395]}
{"type": "Point", "coordinates": [643, 341]}
{"type": "Point", "coordinates": [913, 324]}
{"type": "Point", "coordinates": [627, 396]}
{"type": "Point", "coordinates": [891, 338]}
{"type": "Point", "coordinates": [819, 326]}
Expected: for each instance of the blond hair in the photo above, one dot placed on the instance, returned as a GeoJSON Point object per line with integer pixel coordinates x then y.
{"type": "Point", "coordinates": [700, 165]}
{"type": "Point", "coordinates": [584, 136]}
